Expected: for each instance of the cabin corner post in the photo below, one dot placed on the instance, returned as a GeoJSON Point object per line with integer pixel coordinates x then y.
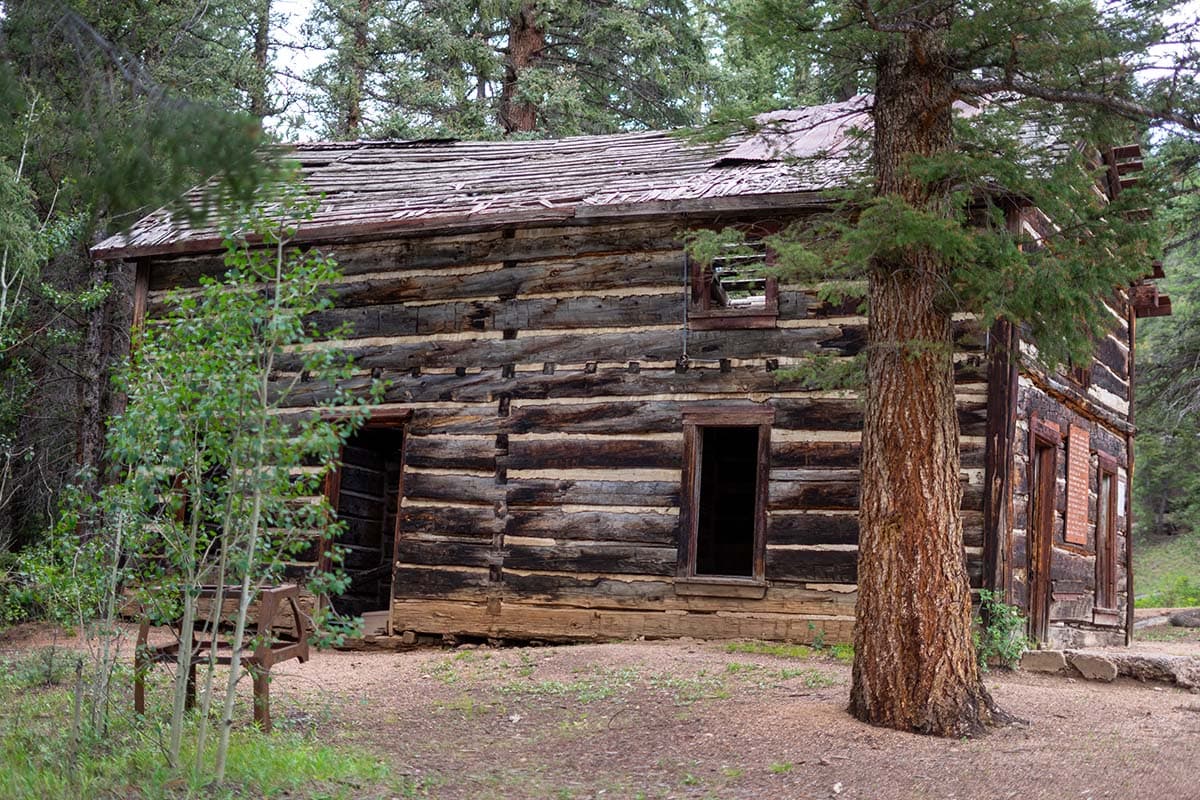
{"type": "Point", "coordinates": [1129, 434]}
{"type": "Point", "coordinates": [998, 457]}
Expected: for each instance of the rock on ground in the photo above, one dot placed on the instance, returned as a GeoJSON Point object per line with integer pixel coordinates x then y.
{"type": "Point", "coordinates": [1188, 618]}
{"type": "Point", "coordinates": [1043, 661]}
{"type": "Point", "coordinates": [1093, 667]}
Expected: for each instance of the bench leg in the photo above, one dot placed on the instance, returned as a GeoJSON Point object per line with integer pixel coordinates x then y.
{"type": "Point", "coordinates": [262, 700]}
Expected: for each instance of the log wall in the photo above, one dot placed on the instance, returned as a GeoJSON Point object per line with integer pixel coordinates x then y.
{"type": "Point", "coordinates": [547, 372]}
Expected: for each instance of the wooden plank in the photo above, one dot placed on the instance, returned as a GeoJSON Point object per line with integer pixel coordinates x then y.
{"type": "Point", "coordinates": [812, 528]}
{"type": "Point", "coordinates": [613, 526]}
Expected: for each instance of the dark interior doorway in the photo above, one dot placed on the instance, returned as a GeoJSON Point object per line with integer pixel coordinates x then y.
{"type": "Point", "coordinates": [728, 498]}
{"type": "Point", "coordinates": [1042, 487]}
{"type": "Point", "coordinates": [368, 494]}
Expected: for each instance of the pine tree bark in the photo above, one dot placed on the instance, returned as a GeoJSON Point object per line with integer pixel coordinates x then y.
{"type": "Point", "coordinates": [525, 43]}
{"type": "Point", "coordinates": [914, 664]}
{"type": "Point", "coordinates": [95, 349]}
{"type": "Point", "coordinates": [357, 77]}
{"type": "Point", "coordinates": [259, 102]}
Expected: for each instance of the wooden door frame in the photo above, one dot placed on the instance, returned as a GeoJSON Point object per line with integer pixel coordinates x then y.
{"type": "Point", "coordinates": [1044, 441]}
{"type": "Point", "coordinates": [378, 419]}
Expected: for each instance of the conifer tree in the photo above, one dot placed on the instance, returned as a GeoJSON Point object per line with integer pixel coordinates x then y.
{"type": "Point", "coordinates": [970, 101]}
{"type": "Point", "coordinates": [410, 68]}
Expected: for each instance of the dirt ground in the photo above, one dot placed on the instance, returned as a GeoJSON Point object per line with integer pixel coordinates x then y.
{"type": "Point", "coordinates": [685, 719]}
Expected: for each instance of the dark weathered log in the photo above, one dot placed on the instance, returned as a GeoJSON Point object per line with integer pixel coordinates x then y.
{"type": "Point", "coordinates": [576, 348]}
{"type": "Point", "coordinates": [469, 419]}
{"type": "Point", "coordinates": [451, 452]}
{"type": "Point", "coordinates": [447, 553]}
{"type": "Point", "coordinates": [411, 582]}
{"type": "Point", "coordinates": [613, 526]}
{"type": "Point", "coordinates": [592, 453]}
{"type": "Point", "coordinates": [813, 494]}
{"type": "Point", "coordinates": [822, 566]}
{"type": "Point", "coordinates": [622, 559]}
{"type": "Point", "coordinates": [531, 492]}
{"type": "Point", "coordinates": [599, 590]}
{"type": "Point", "coordinates": [454, 488]}
{"type": "Point", "coordinates": [462, 521]}
{"type": "Point", "coordinates": [633, 416]}
{"type": "Point", "coordinates": [812, 529]}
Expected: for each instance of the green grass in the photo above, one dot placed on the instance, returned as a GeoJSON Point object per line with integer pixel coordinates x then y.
{"type": "Point", "coordinates": [128, 759]}
{"type": "Point", "coordinates": [1166, 570]}
{"type": "Point", "coordinates": [841, 652]}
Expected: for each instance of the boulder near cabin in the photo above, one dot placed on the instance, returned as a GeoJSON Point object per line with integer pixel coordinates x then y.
{"type": "Point", "coordinates": [583, 435]}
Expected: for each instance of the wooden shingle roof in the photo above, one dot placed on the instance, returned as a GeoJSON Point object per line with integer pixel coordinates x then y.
{"type": "Point", "coordinates": [390, 187]}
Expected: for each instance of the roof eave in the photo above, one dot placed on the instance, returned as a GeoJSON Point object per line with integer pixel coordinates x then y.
{"type": "Point", "coordinates": [116, 248]}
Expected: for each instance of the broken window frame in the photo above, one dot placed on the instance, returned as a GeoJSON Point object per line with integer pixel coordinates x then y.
{"type": "Point", "coordinates": [695, 421]}
{"type": "Point", "coordinates": [703, 315]}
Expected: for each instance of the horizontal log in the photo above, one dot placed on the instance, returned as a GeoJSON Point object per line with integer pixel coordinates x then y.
{"type": "Point", "coordinates": [803, 494]}
{"type": "Point", "coordinates": [364, 533]}
{"type": "Point", "coordinates": [364, 481]}
{"type": "Point", "coordinates": [411, 582]}
{"type": "Point", "coordinates": [559, 313]}
{"type": "Point", "coordinates": [528, 621]}
{"type": "Point", "coordinates": [545, 492]}
{"type": "Point", "coordinates": [614, 526]}
{"type": "Point", "coordinates": [811, 529]}
{"type": "Point", "coordinates": [471, 419]}
{"type": "Point", "coordinates": [363, 508]}
{"type": "Point", "coordinates": [600, 591]}
{"type": "Point", "coordinates": [576, 274]}
{"type": "Point", "coordinates": [578, 347]}
{"type": "Point", "coordinates": [445, 553]}
{"type": "Point", "coordinates": [815, 566]}
{"type": "Point", "coordinates": [453, 488]}
{"type": "Point", "coordinates": [451, 452]}
{"type": "Point", "coordinates": [450, 521]}
{"type": "Point", "coordinates": [592, 453]}
{"type": "Point", "coordinates": [482, 386]}
{"type": "Point", "coordinates": [623, 559]}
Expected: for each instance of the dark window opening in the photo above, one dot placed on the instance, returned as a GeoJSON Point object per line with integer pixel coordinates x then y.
{"type": "Point", "coordinates": [727, 513]}
{"type": "Point", "coordinates": [367, 497]}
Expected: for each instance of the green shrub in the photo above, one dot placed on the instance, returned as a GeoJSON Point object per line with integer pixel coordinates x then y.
{"type": "Point", "coordinates": [1184, 592]}
{"type": "Point", "coordinates": [999, 633]}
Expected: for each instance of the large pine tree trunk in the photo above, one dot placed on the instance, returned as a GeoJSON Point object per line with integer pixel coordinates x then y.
{"type": "Point", "coordinates": [259, 81]}
{"type": "Point", "coordinates": [914, 664]}
{"type": "Point", "coordinates": [525, 43]}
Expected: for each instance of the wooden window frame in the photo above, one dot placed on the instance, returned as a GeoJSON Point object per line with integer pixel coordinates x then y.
{"type": "Point", "coordinates": [1105, 610]}
{"type": "Point", "coordinates": [703, 317]}
{"type": "Point", "coordinates": [1044, 438]}
{"type": "Point", "coordinates": [695, 420]}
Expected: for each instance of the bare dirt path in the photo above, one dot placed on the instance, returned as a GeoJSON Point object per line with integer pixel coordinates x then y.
{"type": "Point", "coordinates": [692, 720]}
{"type": "Point", "coordinates": [712, 720]}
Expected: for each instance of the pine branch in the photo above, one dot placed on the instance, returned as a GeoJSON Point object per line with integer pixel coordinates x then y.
{"type": "Point", "coordinates": [1130, 109]}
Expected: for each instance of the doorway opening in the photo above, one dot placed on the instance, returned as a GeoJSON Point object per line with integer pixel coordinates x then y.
{"type": "Point", "coordinates": [1043, 478]}
{"type": "Point", "coordinates": [366, 496]}
{"type": "Point", "coordinates": [728, 507]}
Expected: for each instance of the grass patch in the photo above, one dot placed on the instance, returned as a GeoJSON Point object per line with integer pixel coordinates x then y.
{"type": "Point", "coordinates": [840, 652]}
{"type": "Point", "coordinates": [127, 761]}
{"type": "Point", "coordinates": [778, 649]}
{"type": "Point", "coordinates": [781, 767]}
{"type": "Point", "coordinates": [1165, 570]}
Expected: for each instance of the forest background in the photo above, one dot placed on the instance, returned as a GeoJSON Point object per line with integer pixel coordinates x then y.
{"type": "Point", "coordinates": [110, 108]}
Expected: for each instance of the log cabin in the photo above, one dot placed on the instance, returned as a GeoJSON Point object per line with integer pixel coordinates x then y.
{"type": "Point", "coordinates": [583, 436]}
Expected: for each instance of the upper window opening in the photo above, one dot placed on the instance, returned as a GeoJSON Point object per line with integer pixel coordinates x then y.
{"type": "Point", "coordinates": [735, 289]}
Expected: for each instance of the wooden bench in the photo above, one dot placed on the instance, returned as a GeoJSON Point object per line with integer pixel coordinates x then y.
{"type": "Point", "coordinates": [268, 651]}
